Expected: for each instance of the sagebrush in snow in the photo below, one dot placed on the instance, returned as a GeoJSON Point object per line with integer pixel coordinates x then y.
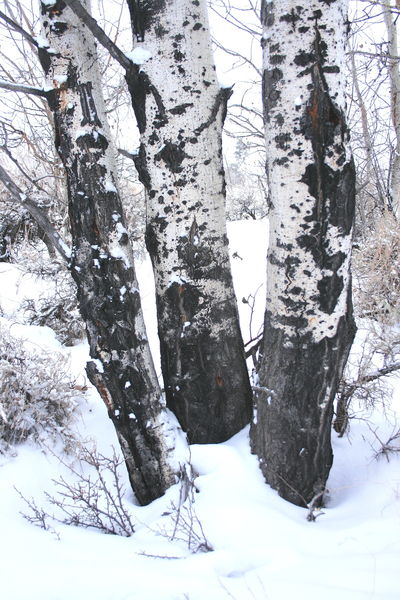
{"type": "Point", "coordinates": [38, 401]}
{"type": "Point", "coordinates": [58, 310]}
{"type": "Point", "coordinates": [377, 273]}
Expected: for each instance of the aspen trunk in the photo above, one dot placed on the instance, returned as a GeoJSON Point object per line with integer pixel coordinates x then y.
{"type": "Point", "coordinates": [309, 326]}
{"type": "Point", "coordinates": [102, 265]}
{"type": "Point", "coordinates": [180, 110]}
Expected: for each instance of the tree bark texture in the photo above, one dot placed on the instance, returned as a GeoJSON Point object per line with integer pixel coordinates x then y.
{"type": "Point", "coordinates": [309, 325]}
{"type": "Point", "coordinates": [180, 110]}
{"type": "Point", "coordinates": [391, 19]}
{"type": "Point", "coordinates": [102, 264]}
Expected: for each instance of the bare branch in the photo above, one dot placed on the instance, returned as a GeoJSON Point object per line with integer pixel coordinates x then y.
{"type": "Point", "coordinates": [19, 29]}
{"type": "Point", "coordinates": [37, 213]}
{"type": "Point", "coordinates": [99, 33]}
{"type": "Point", "coordinates": [25, 89]}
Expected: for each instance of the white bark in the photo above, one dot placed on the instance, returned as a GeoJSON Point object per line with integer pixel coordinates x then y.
{"type": "Point", "coordinates": [308, 320]}
{"type": "Point", "coordinates": [391, 17]}
{"type": "Point", "coordinates": [191, 119]}
{"type": "Point", "coordinates": [289, 153]}
{"type": "Point", "coordinates": [180, 163]}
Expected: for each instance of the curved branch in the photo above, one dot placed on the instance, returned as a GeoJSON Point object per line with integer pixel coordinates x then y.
{"type": "Point", "coordinates": [37, 213]}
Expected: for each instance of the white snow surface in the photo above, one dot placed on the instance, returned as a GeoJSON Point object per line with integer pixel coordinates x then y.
{"type": "Point", "coordinates": [264, 548]}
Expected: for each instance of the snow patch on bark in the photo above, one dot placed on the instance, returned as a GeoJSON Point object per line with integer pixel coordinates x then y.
{"type": "Point", "coordinates": [139, 55]}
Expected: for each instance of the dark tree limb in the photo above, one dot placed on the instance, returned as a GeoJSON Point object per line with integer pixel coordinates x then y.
{"type": "Point", "coordinates": [24, 89]}
{"type": "Point", "coordinates": [19, 167]}
{"type": "Point", "coordinates": [98, 33]}
{"type": "Point", "coordinates": [37, 213]}
{"type": "Point", "coordinates": [132, 156]}
{"type": "Point", "coordinates": [19, 29]}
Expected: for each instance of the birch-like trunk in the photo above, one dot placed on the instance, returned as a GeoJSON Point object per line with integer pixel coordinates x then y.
{"type": "Point", "coordinates": [394, 78]}
{"type": "Point", "coordinates": [102, 265]}
{"type": "Point", "coordinates": [309, 326]}
{"type": "Point", "coordinates": [180, 110]}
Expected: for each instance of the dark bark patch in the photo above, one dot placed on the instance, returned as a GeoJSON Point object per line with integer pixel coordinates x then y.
{"type": "Point", "coordinates": [297, 323]}
{"type": "Point", "coordinates": [153, 138]}
{"type": "Point", "coordinates": [273, 47]}
{"type": "Point", "coordinates": [153, 229]}
{"type": "Point", "coordinates": [303, 58]}
{"type": "Point", "coordinates": [141, 167]}
{"type": "Point", "coordinates": [140, 87]}
{"type": "Point", "coordinates": [267, 14]}
{"type": "Point", "coordinates": [45, 60]}
{"type": "Point", "coordinates": [295, 152]}
{"type": "Point", "coordinates": [143, 14]}
{"type": "Point", "coordinates": [292, 304]}
{"type": "Point", "coordinates": [181, 108]}
{"type": "Point", "coordinates": [88, 105]}
{"type": "Point", "coordinates": [58, 27]}
{"type": "Point", "coordinates": [282, 141]}
{"type": "Point", "coordinates": [277, 59]}
{"type": "Point", "coordinates": [330, 289]}
{"type": "Point", "coordinates": [182, 182]}
{"type": "Point", "coordinates": [92, 140]}
{"type": "Point", "coordinates": [282, 161]}
{"type": "Point", "coordinates": [293, 16]}
{"type": "Point", "coordinates": [271, 94]}
{"type": "Point", "coordinates": [220, 106]}
{"type": "Point", "coordinates": [332, 69]}
{"type": "Point", "coordinates": [173, 156]}
{"type": "Point", "coordinates": [179, 56]}
{"type": "Point", "coordinates": [273, 260]}
{"type": "Point", "coordinates": [160, 31]}
{"type": "Point", "coordinates": [53, 10]}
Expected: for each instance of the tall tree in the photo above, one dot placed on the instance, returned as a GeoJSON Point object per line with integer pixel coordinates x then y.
{"type": "Point", "coordinates": [180, 110]}
{"type": "Point", "coordinates": [101, 264]}
{"type": "Point", "coordinates": [309, 325]}
{"type": "Point", "coordinates": [391, 14]}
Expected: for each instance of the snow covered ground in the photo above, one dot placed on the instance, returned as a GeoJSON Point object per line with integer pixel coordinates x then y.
{"type": "Point", "coordinates": [264, 548]}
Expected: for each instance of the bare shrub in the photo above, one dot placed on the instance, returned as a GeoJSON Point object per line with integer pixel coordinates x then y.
{"type": "Point", "coordinates": [38, 401]}
{"type": "Point", "coordinates": [376, 267]}
{"type": "Point", "coordinates": [185, 525]}
{"type": "Point", "coordinates": [58, 309]}
{"type": "Point", "coordinates": [91, 500]}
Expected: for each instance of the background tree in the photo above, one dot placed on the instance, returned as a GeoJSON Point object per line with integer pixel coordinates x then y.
{"type": "Point", "coordinates": [391, 14]}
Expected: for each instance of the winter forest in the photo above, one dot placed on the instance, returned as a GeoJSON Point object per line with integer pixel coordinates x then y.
{"type": "Point", "coordinates": [199, 299]}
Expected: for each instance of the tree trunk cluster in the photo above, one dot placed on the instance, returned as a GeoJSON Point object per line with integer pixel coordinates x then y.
{"type": "Point", "coordinates": [180, 110]}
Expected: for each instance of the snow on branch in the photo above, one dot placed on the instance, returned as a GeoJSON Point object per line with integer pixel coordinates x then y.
{"type": "Point", "coordinates": [25, 89]}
